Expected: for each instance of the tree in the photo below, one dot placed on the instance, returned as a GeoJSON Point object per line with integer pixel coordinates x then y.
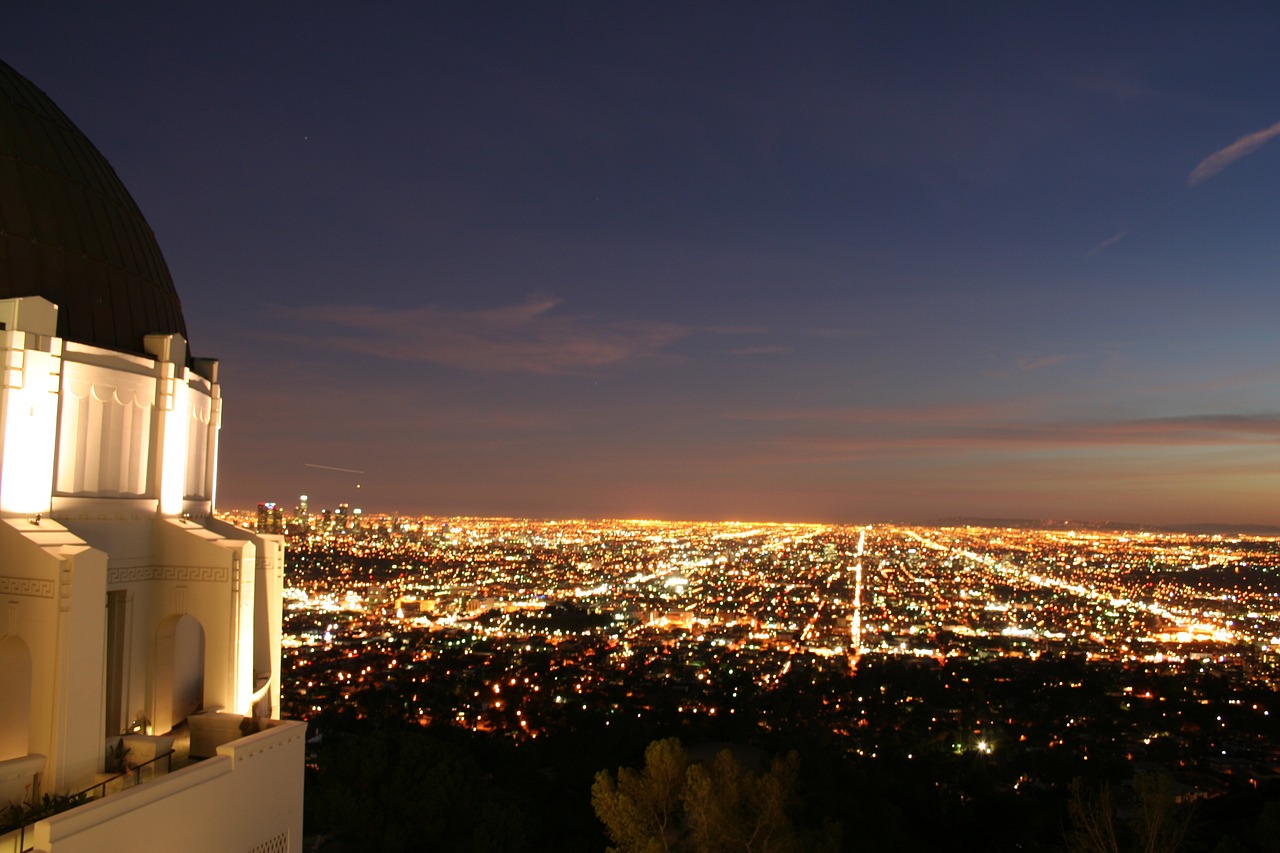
{"type": "Point", "coordinates": [641, 810]}
{"type": "Point", "coordinates": [1093, 825]}
{"type": "Point", "coordinates": [1156, 823]}
{"type": "Point", "coordinates": [674, 805]}
{"type": "Point", "coordinates": [729, 808]}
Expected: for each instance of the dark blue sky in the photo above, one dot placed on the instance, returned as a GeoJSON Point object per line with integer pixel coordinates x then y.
{"type": "Point", "coordinates": [840, 262]}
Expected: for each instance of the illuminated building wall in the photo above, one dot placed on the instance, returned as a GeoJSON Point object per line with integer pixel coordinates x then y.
{"type": "Point", "coordinates": [124, 604]}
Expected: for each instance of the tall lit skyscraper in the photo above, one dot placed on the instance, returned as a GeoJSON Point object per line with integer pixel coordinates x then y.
{"type": "Point", "coordinates": [270, 518]}
{"type": "Point", "coordinates": [124, 604]}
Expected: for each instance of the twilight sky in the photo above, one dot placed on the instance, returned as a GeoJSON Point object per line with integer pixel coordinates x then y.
{"type": "Point", "coordinates": [833, 262]}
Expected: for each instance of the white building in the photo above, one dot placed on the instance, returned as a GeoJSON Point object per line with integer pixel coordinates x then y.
{"type": "Point", "coordinates": [125, 606]}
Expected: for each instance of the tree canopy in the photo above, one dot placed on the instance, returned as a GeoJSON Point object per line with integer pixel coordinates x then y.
{"type": "Point", "coordinates": [676, 805]}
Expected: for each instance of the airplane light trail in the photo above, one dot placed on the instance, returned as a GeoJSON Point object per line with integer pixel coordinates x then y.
{"type": "Point", "coordinates": [332, 468]}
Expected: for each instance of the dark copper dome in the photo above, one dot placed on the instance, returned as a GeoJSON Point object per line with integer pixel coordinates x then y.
{"type": "Point", "coordinates": [70, 231]}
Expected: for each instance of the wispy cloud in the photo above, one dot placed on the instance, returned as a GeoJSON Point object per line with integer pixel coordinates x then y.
{"type": "Point", "coordinates": [837, 333]}
{"type": "Point", "coordinates": [893, 415]}
{"type": "Point", "coordinates": [1215, 429]}
{"type": "Point", "coordinates": [853, 433]}
{"type": "Point", "coordinates": [761, 350]}
{"type": "Point", "coordinates": [1107, 243]}
{"type": "Point", "coordinates": [1219, 160]}
{"type": "Point", "coordinates": [526, 337]}
{"type": "Point", "coordinates": [1024, 364]}
{"type": "Point", "coordinates": [1027, 364]}
{"type": "Point", "coordinates": [1198, 430]}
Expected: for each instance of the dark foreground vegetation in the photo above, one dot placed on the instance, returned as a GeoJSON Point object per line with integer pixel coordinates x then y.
{"type": "Point", "coordinates": [895, 783]}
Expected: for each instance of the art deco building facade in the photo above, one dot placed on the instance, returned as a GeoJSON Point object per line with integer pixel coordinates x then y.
{"type": "Point", "coordinates": [125, 606]}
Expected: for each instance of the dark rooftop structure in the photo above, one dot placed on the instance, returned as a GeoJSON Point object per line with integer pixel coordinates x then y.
{"type": "Point", "coordinates": [70, 231]}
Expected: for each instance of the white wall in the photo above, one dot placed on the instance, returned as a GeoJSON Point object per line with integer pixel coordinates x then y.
{"type": "Point", "coordinates": [248, 798]}
{"type": "Point", "coordinates": [108, 469]}
{"type": "Point", "coordinates": [53, 587]}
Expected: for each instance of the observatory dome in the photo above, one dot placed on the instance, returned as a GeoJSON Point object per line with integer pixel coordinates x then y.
{"type": "Point", "coordinates": [70, 231]}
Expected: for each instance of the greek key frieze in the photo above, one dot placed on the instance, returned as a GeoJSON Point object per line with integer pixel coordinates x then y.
{"type": "Point", "coordinates": [135, 574]}
{"type": "Point", "coordinates": [32, 587]}
{"type": "Point", "coordinates": [212, 574]}
{"type": "Point", "coordinates": [130, 574]}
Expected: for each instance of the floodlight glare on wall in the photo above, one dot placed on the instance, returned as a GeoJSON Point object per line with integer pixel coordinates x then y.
{"type": "Point", "coordinates": [175, 412]}
{"type": "Point", "coordinates": [29, 380]}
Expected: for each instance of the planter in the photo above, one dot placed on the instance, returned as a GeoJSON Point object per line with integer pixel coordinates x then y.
{"type": "Point", "coordinates": [17, 778]}
{"type": "Point", "coordinates": [211, 729]}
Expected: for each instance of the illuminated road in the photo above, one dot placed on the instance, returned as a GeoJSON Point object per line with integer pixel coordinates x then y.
{"type": "Point", "coordinates": [1189, 623]}
{"type": "Point", "coordinates": [855, 622]}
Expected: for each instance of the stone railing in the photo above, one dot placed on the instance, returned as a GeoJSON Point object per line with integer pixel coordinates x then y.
{"type": "Point", "coordinates": [248, 792]}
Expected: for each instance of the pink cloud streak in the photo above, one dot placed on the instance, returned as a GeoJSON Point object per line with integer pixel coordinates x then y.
{"type": "Point", "coordinates": [527, 337]}
{"type": "Point", "coordinates": [1219, 160]}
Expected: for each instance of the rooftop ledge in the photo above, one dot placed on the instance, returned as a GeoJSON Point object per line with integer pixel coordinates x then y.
{"type": "Point", "coordinates": [237, 799]}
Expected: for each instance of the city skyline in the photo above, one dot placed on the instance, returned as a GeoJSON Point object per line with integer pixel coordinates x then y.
{"type": "Point", "coordinates": [824, 264]}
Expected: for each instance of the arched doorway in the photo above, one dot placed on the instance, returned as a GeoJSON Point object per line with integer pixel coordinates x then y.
{"type": "Point", "coordinates": [15, 697]}
{"type": "Point", "coordinates": [179, 685]}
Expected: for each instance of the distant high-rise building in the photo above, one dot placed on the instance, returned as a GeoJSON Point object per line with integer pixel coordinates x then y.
{"type": "Point", "coordinates": [130, 617]}
{"type": "Point", "coordinates": [270, 518]}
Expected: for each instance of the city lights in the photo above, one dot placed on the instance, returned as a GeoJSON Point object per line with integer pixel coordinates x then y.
{"type": "Point", "coordinates": [523, 628]}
